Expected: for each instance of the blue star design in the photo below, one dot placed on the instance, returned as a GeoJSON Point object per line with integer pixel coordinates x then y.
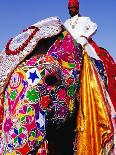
{"type": "Point", "coordinates": [33, 76]}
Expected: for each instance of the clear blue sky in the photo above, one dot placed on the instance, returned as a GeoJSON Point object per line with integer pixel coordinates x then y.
{"type": "Point", "coordinates": [16, 15]}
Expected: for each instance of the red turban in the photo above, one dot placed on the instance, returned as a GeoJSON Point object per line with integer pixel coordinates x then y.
{"type": "Point", "coordinates": [73, 3]}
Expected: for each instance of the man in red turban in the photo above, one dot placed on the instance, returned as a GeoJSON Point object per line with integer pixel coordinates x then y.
{"type": "Point", "coordinates": [91, 117]}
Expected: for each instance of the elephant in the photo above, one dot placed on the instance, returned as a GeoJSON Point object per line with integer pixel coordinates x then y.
{"type": "Point", "coordinates": [49, 88]}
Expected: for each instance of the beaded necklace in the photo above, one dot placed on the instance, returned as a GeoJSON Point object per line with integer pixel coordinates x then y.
{"type": "Point", "coordinates": [73, 21]}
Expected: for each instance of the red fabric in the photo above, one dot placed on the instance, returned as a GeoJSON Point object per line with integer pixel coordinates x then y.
{"type": "Point", "coordinates": [73, 3]}
{"type": "Point", "coordinates": [110, 67]}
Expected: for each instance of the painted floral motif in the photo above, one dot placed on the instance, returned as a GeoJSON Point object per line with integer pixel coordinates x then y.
{"type": "Point", "coordinates": [35, 138]}
{"type": "Point", "coordinates": [26, 114]}
{"type": "Point", "coordinates": [61, 94]}
{"type": "Point", "coordinates": [69, 81]}
{"type": "Point", "coordinates": [32, 95]}
{"type": "Point", "coordinates": [17, 137]}
{"type": "Point", "coordinates": [7, 125]}
{"type": "Point", "coordinates": [32, 61]}
{"type": "Point", "coordinates": [45, 101]}
{"type": "Point", "coordinates": [13, 95]}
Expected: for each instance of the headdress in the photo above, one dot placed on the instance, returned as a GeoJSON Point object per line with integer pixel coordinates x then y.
{"type": "Point", "coordinates": [73, 3]}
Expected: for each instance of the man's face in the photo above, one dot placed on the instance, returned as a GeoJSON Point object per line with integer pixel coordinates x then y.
{"type": "Point", "coordinates": [73, 10]}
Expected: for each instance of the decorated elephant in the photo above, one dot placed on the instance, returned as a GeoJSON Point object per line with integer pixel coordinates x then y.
{"type": "Point", "coordinates": [53, 99]}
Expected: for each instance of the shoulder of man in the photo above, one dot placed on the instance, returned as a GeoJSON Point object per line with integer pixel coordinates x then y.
{"type": "Point", "coordinates": [84, 18]}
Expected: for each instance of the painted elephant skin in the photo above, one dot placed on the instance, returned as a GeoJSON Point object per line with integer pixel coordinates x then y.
{"type": "Point", "coordinates": [40, 101]}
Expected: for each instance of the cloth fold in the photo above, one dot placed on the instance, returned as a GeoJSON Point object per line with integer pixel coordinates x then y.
{"type": "Point", "coordinates": [94, 126]}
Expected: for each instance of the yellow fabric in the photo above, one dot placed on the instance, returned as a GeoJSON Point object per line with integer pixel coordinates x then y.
{"type": "Point", "coordinates": [93, 120]}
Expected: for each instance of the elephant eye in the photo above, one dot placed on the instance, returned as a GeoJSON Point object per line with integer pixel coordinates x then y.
{"type": "Point", "coordinates": [51, 80]}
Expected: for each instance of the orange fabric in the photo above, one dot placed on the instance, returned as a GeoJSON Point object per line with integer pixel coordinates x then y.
{"type": "Point", "coordinates": [94, 125]}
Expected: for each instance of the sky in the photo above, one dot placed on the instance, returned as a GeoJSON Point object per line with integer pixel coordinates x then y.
{"type": "Point", "coordinates": [16, 15]}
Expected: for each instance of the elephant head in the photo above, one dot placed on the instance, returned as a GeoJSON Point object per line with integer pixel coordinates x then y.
{"type": "Point", "coordinates": [41, 98]}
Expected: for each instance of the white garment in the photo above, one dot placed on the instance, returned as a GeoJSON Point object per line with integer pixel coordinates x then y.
{"type": "Point", "coordinates": [81, 29]}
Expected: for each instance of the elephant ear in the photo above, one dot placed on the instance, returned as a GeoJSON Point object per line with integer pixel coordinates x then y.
{"type": "Point", "coordinates": [21, 46]}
